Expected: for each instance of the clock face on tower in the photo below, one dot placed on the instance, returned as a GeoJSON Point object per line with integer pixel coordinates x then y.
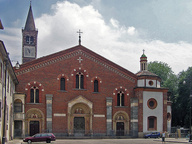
{"type": "Point", "coordinates": [29, 51]}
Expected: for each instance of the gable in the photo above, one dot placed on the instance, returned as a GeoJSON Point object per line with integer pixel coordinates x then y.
{"type": "Point", "coordinates": [82, 53]}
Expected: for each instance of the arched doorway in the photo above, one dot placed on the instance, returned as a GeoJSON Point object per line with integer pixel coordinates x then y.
{"type": "Point", "coordinates": [121, 123]}
{"type": "Point", "coordinates": [34, 121]}
{"type": "Point", "coordinates": [80, 117]}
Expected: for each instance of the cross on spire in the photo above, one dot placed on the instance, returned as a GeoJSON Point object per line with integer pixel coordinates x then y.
{"type": "Point", "coordinates": [79, 32]}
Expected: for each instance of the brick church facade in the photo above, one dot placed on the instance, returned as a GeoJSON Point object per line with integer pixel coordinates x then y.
{"type": "Point", "coordinates": [76, 92]}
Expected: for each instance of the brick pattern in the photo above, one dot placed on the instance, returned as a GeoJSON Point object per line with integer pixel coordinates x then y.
{"type": "Point", "coordinates": [47, 74]}
{"type": "Point", "coordinates": [47, 71]}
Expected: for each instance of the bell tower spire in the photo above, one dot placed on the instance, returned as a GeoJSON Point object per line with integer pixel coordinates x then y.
{"type": "Point", "coordinates": [29, 38]}
{"type": "Point", "coordinates": [143, 62]}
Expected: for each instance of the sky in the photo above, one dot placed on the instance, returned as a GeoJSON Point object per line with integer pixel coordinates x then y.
{"type": "Point", "coordinates": [116, 30]}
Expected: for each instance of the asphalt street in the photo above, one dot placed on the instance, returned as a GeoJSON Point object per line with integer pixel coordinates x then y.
{"type": "Point", "coordinates": [110, 141]}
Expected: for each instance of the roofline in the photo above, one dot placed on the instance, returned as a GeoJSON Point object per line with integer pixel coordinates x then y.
{"type": "Point", "coordinates": [149, 76]}
{"type": "Point", "coordinates": [150, 88]}
{"type": "Point", "coordinates": [4, 58]}
{"type": "Point", "coordinates": [54, 55]}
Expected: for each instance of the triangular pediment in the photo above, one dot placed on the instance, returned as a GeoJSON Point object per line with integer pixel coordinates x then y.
{"type": "Point", "coordinates": [82, 52]}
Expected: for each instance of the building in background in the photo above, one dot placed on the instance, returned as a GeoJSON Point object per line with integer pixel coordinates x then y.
{"type": "Point", "coordinates": [8, 80]}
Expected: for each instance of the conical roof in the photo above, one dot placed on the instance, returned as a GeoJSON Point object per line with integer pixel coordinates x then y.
{"type": "Point", "coordinates": [30, 24]}
{"type": "Point", "coordinates": [146, 73]}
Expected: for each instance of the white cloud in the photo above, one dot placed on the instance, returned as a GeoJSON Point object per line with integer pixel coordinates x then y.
{"type": "Point", "coordinates": [119, 44]}
{"type": "Point", "coordinates": [114, 23]}
{"type": "Point", "coordinates": [131, 30]}
{"type": "Point", "coordinates": [58, 32]}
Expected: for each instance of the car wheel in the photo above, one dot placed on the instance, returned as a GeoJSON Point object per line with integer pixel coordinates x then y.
{"type": "Point", "coordinates": [29, 141]}
{"type": "Point", "coordinates": [48, 141]}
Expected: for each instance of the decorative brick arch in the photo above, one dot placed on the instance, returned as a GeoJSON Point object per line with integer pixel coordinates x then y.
{"type": "Point", "coordinates": [126, 94]}
{"type": "Point", "coordinates": [121, 116]}
{"type": "Point", "coordinates": [80, 107]}
{"type": "Point", "coordinates": [34, 84]}
{"type": "Point", "coordinates": [59, 78]}
{"type": "Point", "coordinates": [81, 70]}
{"type": "Point", "coordinates": [99, 82]}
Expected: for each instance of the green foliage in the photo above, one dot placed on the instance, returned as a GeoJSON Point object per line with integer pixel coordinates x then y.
{"type": "Point", "coordinates": [183, 100]}
{"type": "Point", "coordinates": [161, 69]}
{"type": "Point", "coordinates": [168, 78]}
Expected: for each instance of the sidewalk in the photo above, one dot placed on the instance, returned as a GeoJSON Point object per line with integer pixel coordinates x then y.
{"type": "Point", "coordinates": [175, 140]}
{"type": "Point", "coordinates": [15, 141]}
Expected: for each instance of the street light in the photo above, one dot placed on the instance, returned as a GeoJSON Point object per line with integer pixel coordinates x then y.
{"type": "Point", "coordinates": [190, 96]}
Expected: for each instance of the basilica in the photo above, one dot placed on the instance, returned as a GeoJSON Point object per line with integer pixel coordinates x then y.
{"type": "Point", "coordinates": [77, 92]}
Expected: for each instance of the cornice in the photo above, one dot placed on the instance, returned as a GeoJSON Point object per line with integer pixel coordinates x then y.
{"type": "Point", "coordinates": [66, 56]}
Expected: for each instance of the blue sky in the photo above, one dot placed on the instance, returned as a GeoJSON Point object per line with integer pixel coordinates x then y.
{"type": "Point", "coordinates": [117, 30]}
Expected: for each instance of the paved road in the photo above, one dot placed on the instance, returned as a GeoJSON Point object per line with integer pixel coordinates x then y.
{"type": "Point", "coordinates": [110, 141]}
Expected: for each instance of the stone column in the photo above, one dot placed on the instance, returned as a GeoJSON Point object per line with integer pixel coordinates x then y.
{"type": "Point", "coordinates": [49, 100]}
{"type": "Point", "coordinates": [109, 101]}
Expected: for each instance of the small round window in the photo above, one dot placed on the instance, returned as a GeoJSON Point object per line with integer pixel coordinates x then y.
{"type": "Point", "coordinates": [152, 103]}
{"type": "Point", "coordinates": [150, 82]}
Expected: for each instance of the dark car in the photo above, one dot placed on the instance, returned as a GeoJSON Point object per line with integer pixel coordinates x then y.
{"type": "Point", "coordinates": [48, 137]}
{"type": "Point", "coordinates": [153, 135]}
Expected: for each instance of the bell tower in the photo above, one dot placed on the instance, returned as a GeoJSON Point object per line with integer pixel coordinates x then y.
{"type": "Point", "coordinates": [29, 39]}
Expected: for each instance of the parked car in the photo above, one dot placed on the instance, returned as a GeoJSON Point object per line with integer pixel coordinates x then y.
{"type": "Point", "coordinates": [153, 135]}
{"type": "Point", "coordinates": [47, 137]}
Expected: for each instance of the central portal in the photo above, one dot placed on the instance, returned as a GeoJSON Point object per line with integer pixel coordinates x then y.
{"type": "Point", "coordinates": [80, 117]}
{"type": "Point", "coordinates": [79, 126]}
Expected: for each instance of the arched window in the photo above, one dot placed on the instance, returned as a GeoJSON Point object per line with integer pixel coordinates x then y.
{"type": "Point", "coordinates": [152, 123]}
{"type": "Point", "coordinates": [79, 81]}
{"type": "Point", "coordinates": [18, 106]}
{"type": "Point", "coordinates": [27, 39]}
{"type": "Point", "coordinates": [31, 40]}
{"type": "Point", "coordinates": [34, 95]}
{"type": "Point", "coordinates": [120, 98]}
{"type": "Point", "coordinates": [62, 84]}
{"type": "Point", "coordinates": [96, 86]}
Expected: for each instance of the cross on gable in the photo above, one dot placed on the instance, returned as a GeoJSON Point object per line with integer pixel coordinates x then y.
{"type": "Point", "coordinates": [80, 59]}
{"type": "Point", "coordinates": [79, 32]}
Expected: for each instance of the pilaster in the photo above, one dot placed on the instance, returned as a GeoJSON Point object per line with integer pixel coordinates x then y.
{"type": "Point", "coordinates": [49, 100]}
{"type": "Point", "coordinates": [109, 101]}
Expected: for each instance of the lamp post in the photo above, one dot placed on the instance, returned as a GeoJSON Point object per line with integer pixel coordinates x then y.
{"type": "Point", "coordinates": [190, 97]}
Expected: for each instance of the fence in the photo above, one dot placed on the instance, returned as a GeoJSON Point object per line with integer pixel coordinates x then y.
{"type": "Point", "coordinates": [96, 134]}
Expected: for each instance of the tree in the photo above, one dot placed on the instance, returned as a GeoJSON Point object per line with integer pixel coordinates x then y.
{"type": "Point", "coordinates": [182, 111]}
{"type": "Point", "coordinates": [161, 69]}
{"type": "Point", "coordinates": [168, 78]}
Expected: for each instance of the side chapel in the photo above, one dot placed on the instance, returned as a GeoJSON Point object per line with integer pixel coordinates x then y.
{"type": "Point", "coordinates": [78, 92]}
